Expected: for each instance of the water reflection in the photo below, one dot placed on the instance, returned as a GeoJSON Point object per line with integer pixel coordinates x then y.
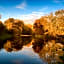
{"type": "Point", "coordinates": [16, 44]}
{"type": "Point", "coordinates": [19, 53]}
{"type": "Point", "coordinates": [49, 52]}
{"type": "Point", "coordinates": [29, 50]}
{"type": "Point", "coordinates": [37, 44]}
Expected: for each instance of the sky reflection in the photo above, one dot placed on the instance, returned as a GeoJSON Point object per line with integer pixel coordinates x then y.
{"type": "Point", "coordinates": [24, 56]}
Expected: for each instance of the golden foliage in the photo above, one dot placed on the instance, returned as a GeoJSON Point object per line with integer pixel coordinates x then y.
{"type": "Point", "coordinates": [53, 24]}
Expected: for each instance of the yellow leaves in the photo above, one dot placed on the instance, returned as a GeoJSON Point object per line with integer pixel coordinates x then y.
{"type": "Point", "coordinates": [59, 13]}
{"type": "Point", "coordinates": [54, 24]}
{"type": "Point", "coordinates": [51, 50]}
{"type": "Point", "coordinates": [9, 26]}
{"type": "Point", "coordinates": [0, 22]}
{"type": "Point", "coordinates": [11, 23]}
{"type": "Point", "coordinates": [7, 46]}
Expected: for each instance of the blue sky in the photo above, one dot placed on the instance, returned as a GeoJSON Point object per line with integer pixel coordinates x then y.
{"type": "Point", "coordinates": [28, 9]}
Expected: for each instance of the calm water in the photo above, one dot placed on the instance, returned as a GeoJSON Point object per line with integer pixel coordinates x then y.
{"type": "Point", "coordinates": [24, 56]}
{"type": "Point", "coordinates": [28, 51]}
{"type": "Point", "coordinates": [15, 52]}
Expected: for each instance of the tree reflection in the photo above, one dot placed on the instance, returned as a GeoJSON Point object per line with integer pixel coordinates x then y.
{"type": "Point", "coordinates": [16, 44]}
{"type": "Point", "coordinates": [38, 44]}
{"type": "Point", "coordinates": [49, 52]}
{"type": "Point", "coordinates": [26, 40]}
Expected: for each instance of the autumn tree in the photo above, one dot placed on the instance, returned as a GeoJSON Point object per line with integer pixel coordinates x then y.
{"type": "Point", "coordinates": [51, 25]}
{"type": "Point", "coordinates": [38, 27]}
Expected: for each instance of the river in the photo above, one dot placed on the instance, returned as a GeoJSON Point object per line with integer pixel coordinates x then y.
{"type": "Point", "coordinates": [24, 52]}
{"type": "Point", "coordinates": [24, 56]}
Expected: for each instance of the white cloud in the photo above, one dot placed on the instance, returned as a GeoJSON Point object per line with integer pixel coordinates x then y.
{"type": "Point", "coordinates": [30, 18]}
{"type": "Point", "coordinates": [22, 5]}
{"type": "Point", "coordinates": [27, 18]}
